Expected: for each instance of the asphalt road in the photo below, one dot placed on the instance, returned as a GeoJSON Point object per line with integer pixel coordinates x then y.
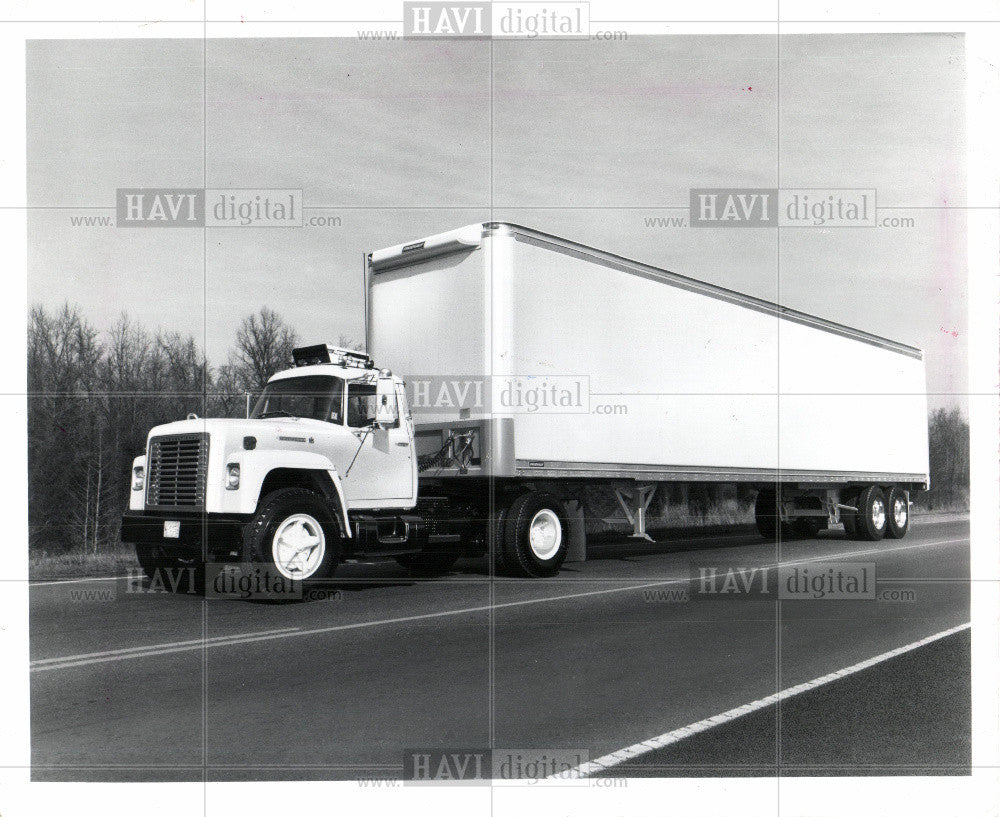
{"type": "Point", "coordinates": [134, 685]}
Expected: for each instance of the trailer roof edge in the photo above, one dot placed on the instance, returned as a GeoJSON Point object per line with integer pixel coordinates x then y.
{"type": "Point", "coordinates": [705, 288]}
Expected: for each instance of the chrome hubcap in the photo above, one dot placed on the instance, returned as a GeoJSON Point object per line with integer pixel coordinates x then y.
{"type": "Point", "coordinates": [878, 514]}
{"type": "Point", "coordinates": [545, 534]}
{"type": "Point", "coordinates": [900, 512]}
{"type": "Point", "coordinates": [298, 546]}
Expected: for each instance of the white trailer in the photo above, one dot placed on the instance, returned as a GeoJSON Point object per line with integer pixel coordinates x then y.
{"type": "Point", "coordinates": [679, 380]}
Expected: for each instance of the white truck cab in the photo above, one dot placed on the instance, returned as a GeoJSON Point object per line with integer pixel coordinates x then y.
{"type": "Point", "coordinates": [353, 416]}
{"type": "Point", "coordinates": [324, 467]}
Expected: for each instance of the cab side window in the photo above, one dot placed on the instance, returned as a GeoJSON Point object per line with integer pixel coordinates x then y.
{"type": "Point", "coordinates": [361, 405]}
{"type": "Point", "coordinates": [337, 402]}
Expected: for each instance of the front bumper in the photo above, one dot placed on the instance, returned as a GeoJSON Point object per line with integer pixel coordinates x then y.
{"type": "Point", "coordinates": [195, 533]}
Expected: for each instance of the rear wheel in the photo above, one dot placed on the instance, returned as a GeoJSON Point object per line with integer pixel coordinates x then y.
{"type": "Point", "coordinates": [294, 534]}
{"type": "Point", "coordinates": [897, 514]}
{"type": "Point", "coordinates": [871, 519]}
{"type": "Point", "coordinates": [536, 535]}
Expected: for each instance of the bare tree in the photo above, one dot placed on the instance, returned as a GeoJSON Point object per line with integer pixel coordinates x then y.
{"type": "Point", "coordinates": [228, 396]}
{"type": "Point", "coordinates": [264, 345]}
{"type": "Point", "coordinates": [948, 433]}
{"type": "Point", "coordinates": [347, 342]}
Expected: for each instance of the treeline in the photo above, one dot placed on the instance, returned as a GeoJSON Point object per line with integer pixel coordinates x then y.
{"type": "Point", "coordinates": [948, 431]}
{"type": "Point", "coordinates": [93, 396]}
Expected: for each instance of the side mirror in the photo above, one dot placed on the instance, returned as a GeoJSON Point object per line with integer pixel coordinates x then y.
{"type": "Point", "coordinates": [386, 412]}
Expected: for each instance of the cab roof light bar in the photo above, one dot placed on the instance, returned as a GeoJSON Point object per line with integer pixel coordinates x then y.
{"type": "Point", "coordinates": [328, 353]}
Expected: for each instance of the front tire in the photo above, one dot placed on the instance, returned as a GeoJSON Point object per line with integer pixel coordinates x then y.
{"type": "Point", "coordinates": [870, 521]}
{"type": "Point", "coordinates": [295, 535]}
{"type": "Point", "coordinates": [897, 514]}
{"type": "Point", "coordinates": [536, 535]}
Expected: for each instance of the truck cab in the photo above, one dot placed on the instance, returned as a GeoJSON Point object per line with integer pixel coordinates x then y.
{"type": "Point", "coordinates": [349, 413]}
{"type": "Point", "coordinates": [324, 468]}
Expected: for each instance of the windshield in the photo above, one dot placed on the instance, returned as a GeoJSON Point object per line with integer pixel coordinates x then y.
{"type": "Point", "coordinates": [320, 397]}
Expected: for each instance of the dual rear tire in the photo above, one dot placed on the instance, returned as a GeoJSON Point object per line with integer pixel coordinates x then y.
{"type": "Point", "coordinates": [880, 514]}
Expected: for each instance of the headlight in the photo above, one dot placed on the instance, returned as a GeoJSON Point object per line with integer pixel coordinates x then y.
{"type": "Point", "coordinates": [138, 477]}
{"type": "Point", "coordinates": [232, 476]}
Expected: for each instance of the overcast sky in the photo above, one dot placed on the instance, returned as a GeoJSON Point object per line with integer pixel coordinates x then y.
{"type": "Point", "coordinates": [405, 139]}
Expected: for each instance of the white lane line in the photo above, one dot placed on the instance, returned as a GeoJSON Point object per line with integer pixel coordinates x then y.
{"type": "Point", "coordinates": [193, 643]}
{"type": "Point", "coordinates": [613, 759]}
{"type": "Point", "coordinates": [80, 581]}
{"type": "Point", "coordinates": [68, 661]}
{"type": "Point", "coordinates": [223, 641]}
{"type": "Point", "coordinates": [871, 551]}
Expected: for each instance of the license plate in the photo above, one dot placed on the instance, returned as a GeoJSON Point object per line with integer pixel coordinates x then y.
{"type": "Point", "coordinates": [171, 530]}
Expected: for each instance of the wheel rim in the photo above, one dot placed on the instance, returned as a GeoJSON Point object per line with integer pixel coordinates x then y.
{"type": "Point", "coordinates": [545, 534]}
{"type": "Point", "coordinates": [298, 546]}
{"type": "Point", "coordinates": [878, 513]}
{"type": "Point", "coordinates": [900, 512]}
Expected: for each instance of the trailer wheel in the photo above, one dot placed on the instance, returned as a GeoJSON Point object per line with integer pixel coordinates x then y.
{"type": "Point", "coordinates": [765, 512]}
{"type": "Point", "coordinates": [870, 521]}
{"type": "Point", "coordinates": [897, 514]}
{"type": "Point", "coordinates": [536, 535]}
{"type": "Point", "coordinates": [294, 534]}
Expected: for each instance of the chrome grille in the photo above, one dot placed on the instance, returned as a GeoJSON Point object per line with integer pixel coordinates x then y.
{"type": "Point", "coordinates": [176, 471]}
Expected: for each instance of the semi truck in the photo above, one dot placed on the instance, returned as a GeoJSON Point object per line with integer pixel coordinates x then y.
{"type": "Point", "coordinates": [508, 375]}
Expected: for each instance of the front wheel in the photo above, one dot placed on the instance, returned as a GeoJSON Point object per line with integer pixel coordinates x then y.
{"type": "Point", "coordinates": [535, 535]}
{"type": "Point", "coordinates": [294, 534]}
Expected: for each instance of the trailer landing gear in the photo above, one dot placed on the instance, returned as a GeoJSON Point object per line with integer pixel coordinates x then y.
{"type": "Point", "coordinates": [636, 504]}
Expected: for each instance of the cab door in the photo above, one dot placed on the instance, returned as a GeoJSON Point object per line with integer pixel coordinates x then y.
{"type": "Point", "coordinates": [377, 469]}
